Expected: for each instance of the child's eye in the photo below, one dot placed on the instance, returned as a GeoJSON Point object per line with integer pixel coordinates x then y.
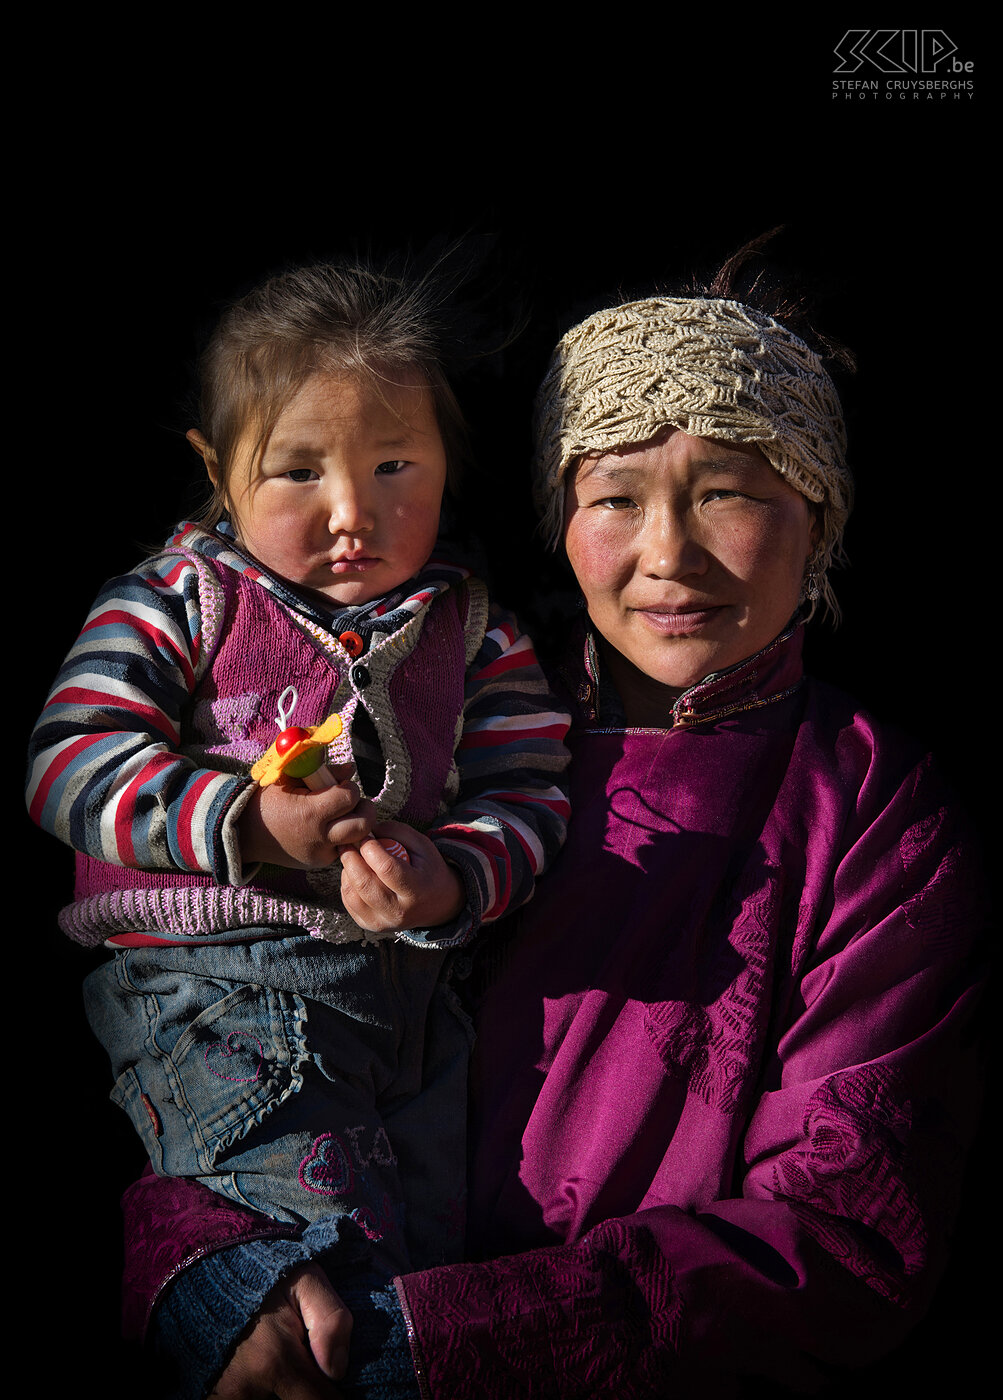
{"type": "Point", "coordinates": [299, 474]}
{"type": "Point", "coordinates": [388, 468]}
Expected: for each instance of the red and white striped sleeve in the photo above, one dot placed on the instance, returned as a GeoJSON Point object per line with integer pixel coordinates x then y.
{"type": "Point", "coordinates": [511, 815]}
{"type": "Point", "coordinates": [106, 774]}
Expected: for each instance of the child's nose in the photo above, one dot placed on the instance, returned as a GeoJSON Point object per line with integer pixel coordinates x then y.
{"type": "Point", "coordinates": [351, 510]}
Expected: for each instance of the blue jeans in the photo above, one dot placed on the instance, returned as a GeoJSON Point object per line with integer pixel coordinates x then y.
{"type": "Point", "coordinates": [300, 1078]}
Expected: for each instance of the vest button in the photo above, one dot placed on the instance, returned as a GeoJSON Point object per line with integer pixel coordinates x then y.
{"type": "Point", "coordinates": [360, 677]}
{"type": "Point", "coordinates": [352, 643]}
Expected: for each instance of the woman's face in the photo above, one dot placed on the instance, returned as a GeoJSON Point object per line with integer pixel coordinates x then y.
{"type": "Point", "coordinates": [690, 553]}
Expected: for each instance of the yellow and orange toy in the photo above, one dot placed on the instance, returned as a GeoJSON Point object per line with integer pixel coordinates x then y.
{"type": "Point", "coordinates": [300, 751]}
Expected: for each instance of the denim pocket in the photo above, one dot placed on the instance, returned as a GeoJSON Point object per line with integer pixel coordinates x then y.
{"type": "Point", "coordinates": [129, 1094]}
{"type": "Point", "coordinates": [235, 1062]}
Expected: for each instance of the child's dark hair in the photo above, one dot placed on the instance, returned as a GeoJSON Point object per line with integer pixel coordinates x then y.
{"type": "Point", "coordinates": [337, 318]}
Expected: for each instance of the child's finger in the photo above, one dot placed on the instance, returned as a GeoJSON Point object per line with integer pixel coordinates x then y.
{"type": "Point", "coordinates": [349, 831]}
{"type": "Point", "coordinates": [364, 896]}
{"type": "Point", "coordinates": [343, 772]}
{"type": "Point", "coordinates": [391, 870]}
{"type": "Point", "coordinates": [414, 842]}
{"type": "Point", "coordinates": [336, 801]}
{"type": "Point", "coordinates": [362, 878]}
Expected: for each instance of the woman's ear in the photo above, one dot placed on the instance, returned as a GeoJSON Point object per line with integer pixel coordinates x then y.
{"type": "Point", "coordinates": [207, 454]}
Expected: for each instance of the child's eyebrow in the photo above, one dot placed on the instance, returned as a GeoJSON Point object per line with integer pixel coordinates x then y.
{"type": "Point", "coordinates": [402, 440]}
{"type": "Point", "coordinates": [290, 448]}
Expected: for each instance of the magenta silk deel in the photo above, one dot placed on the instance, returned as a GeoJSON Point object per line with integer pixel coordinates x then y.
{"type": "Point", "coordinates": [722, 1087]}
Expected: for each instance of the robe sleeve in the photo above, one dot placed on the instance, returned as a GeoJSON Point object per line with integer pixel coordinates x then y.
{"type": "Point", "coordinates": [845, 1190]}
{"type": "Point", "coordinates": [845, 1187]}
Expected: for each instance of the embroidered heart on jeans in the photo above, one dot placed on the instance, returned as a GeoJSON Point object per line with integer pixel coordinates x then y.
{"type": "Point", "coordinates": [239, 1056]}
{"type": "Point", "coordinates": [326, 1168]}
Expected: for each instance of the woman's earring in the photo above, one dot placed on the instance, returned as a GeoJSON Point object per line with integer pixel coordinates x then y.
{"type": "Point", "coordinates": [811, 588]}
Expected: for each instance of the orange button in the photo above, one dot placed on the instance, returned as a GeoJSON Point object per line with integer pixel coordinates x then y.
{"type": "Point", "coordinates": [352, 643]}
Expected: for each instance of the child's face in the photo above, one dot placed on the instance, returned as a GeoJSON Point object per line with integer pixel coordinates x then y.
{"type": "Point", "coordinates": [345, 498]}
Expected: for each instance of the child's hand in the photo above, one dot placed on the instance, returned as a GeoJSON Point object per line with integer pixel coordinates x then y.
{"type": "Point", "coordinates": [382, 893]}
{"type": "Point", "coordinates": [287, 824]}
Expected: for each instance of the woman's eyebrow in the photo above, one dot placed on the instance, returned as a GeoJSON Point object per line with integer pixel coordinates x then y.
{"type": "Point", "coordinates": [734, 462]}
{"type": "Point", "coordinates": [613, 472]}
{"type": "Point", "coordinates": [609, 470]}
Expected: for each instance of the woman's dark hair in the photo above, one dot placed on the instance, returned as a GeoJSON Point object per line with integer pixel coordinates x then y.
{"type": "Point", "coordinates": [746, 276]}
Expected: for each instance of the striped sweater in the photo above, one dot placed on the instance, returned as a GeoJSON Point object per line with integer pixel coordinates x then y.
{"type": "Point", "coordinates": [138, 760]}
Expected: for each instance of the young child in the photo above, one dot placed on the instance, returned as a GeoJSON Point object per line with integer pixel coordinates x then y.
{"type": "Point", "coordinates": [313, 1082]}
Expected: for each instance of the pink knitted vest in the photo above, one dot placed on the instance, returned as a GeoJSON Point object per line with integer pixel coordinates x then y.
{"type": "Point", "coordinates": [411, 683]}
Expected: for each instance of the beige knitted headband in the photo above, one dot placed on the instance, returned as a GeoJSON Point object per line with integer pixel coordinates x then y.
{"type": "Point", "coordinates": [715, 369]}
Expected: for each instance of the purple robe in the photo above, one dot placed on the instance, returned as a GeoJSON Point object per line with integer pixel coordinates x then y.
{"type": "Point", "coordinates": [722, 1087]}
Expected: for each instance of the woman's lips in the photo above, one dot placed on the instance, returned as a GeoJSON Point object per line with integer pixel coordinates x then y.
{"type": "Point", "coordinates": [682, 622]}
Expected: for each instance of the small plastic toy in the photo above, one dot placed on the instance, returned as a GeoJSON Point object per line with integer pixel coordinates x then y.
{"type": "Point", "coordinates": [300, 751]}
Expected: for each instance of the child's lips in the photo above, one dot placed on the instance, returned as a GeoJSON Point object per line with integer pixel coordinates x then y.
{"type": "Point", "coordinates": [354, 564]}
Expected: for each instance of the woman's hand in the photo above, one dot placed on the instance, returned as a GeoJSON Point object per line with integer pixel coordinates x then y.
{"type": "Point", "coordinates": [297, 1345]}
{"type": "Point", "coordinates": [383, 893]}
{"type": "Point", "coordinates": [288, 824]}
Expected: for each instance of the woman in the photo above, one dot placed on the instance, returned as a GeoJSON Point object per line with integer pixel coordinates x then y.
{"type": "Point", "coordinates": [720, 1090]}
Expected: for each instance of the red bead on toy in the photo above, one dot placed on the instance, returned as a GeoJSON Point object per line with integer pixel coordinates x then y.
{"type": "Point", "coordinates": [293, 735]}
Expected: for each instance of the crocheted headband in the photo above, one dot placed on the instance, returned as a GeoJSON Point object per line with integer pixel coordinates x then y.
{"type": "Point", "coordinates": [716, 369]}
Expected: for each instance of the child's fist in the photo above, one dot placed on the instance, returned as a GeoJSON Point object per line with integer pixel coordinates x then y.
{"type": "Point", "coordinates": [288, 824]}
{"type": "Point", "coordinates": [383, 893]}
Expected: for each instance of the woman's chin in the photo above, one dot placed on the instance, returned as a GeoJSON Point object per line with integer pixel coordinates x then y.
{"type": "Point", "coordinates": [671, 663]}
{"type": "Point", "coordinates": [678, 663]}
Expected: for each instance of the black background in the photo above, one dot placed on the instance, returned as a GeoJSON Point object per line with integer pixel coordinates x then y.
{"type": "Point", "coordinates": [180, 176]}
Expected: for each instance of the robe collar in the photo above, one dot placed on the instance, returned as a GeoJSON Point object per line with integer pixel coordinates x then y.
{"type": "Point", "coordinates": [771, 674]}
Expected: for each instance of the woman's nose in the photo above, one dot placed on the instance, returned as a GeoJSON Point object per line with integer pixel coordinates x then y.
{"type": "Point", "coordinates": [670, 548]}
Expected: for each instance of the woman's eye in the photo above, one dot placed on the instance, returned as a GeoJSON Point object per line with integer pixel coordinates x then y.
{"type": "Point", "coordinates": [723, 493]}
{"type": "Point", "coordinates": [616, 503]}
{"type": "Point", "coordinates": [388, 468]}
